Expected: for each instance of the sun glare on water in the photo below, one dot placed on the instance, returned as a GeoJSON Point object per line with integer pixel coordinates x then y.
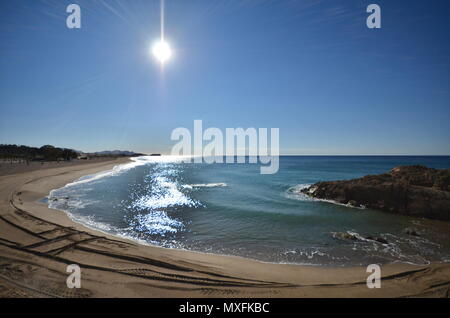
{"type": "Point", "coordinates": [161, 51]}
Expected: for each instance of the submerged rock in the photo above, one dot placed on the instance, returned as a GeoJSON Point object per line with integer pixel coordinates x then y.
{"type": "Point", "coordinates": [412, 232]}
{"type": "Point", "coordinates": [410, 190]}
{"type": "Point", "coordinates": [377, 239]}
{"type": "Point", "coordinates": [354, 237]}
{"type": "Point", "coordinates": [381, 240]}
{"type": "Point", "coordinates": [344, 236]}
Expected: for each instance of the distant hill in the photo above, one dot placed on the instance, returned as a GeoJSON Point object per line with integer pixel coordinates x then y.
{"type": "Point", "coordinates": [116, 153]}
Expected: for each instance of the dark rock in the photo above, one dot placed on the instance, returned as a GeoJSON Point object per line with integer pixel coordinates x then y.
{"type": "Point", "coordinates": [381, 240]}
{"type": "Point", "coordinates": [411, 231]}
{"type": "Point", "coordinates": [344, 236]}
{"type": "Point", "coordinates": [410, 190]}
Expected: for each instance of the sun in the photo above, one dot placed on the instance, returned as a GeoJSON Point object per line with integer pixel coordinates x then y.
{"type": "Point", "coordinates": [161, 51]}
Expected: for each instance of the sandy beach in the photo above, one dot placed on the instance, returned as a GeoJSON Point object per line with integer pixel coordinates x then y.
{"type": "Point", "coordinates": [38, 243]}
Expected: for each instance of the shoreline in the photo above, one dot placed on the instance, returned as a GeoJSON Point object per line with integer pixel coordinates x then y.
{"type": "Point", "coordinates": [145, 243]}
{"type": "Point", "coordinates": [33, 235]}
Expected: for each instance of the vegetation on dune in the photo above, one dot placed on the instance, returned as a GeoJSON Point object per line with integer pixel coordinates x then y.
{"type": "Point", "coordinates": [44, 153]}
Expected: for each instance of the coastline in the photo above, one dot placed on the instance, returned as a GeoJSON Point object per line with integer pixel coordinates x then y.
{"type": "Point", "coordinates": [37, 243]}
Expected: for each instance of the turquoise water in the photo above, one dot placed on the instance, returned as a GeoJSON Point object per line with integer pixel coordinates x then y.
{"type": "Point", "coordinates": [232, 209]}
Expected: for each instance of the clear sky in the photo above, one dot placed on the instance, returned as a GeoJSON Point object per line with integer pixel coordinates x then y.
{"type": "Point", "coordinates": [311, 68]}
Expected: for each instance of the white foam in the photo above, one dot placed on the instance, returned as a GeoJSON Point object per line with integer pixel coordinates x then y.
{"type": "Point", "coordinates": [205, 185]}
{"type": "Point", "coordinates": [295, 193]}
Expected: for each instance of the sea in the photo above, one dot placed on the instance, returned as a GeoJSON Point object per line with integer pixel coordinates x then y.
{"type": "Point", "coordinates": [232, 209]}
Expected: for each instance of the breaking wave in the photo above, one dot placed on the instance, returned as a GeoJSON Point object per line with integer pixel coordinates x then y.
{"type": "Point", "coordinates": [295, 193]}
{"type": "Point", "coordinates": [205, 185]}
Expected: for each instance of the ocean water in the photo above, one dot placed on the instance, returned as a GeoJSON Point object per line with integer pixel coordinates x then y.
{"type": "Point", "coordinates": [232, 209]}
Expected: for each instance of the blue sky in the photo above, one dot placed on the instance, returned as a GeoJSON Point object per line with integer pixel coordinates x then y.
{"type": "Point", "coordinates": [311, 68]}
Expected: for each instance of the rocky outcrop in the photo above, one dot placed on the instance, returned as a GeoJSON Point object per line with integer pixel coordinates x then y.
{"type": "Point", "coordinates": [410, 190]}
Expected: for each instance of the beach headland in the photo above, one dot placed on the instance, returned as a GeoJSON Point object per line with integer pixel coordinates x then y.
{"type": "Point", "coordinates": [409, 190]}
{"type": "Point", "coordinates": [37, 244]}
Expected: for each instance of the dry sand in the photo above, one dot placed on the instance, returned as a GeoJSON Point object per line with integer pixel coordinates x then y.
{"type": "Point", "coordinates": [37, 244]}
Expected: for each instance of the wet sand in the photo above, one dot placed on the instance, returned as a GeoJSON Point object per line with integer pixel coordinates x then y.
{"type": "Point", "coordinates": [37, 244]}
